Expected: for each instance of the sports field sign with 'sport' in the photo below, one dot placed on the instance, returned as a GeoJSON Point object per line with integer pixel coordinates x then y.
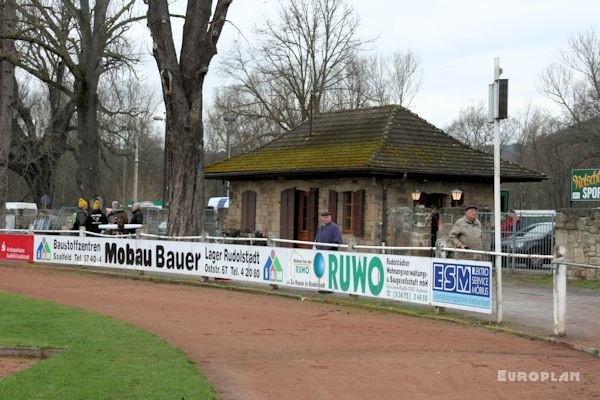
{"type": "Point", "coordinates": [585, 185]}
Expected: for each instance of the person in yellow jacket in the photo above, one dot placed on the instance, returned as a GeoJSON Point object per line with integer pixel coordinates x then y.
{"type": "Point", "coordinates": [466, 234]}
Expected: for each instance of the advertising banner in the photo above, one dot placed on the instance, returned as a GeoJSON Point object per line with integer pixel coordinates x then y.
{"type": "Point", "coordinates": [585, 184]}
{"type": "Point", "coordinates": [382, 276]}
{"type": "Point", "coordinates": [401, 278]}
{"type": "Point", "coordinates": [188, 258]}
{"type": "Point", "coordinates": [462, 284]}
{"type": "Point", "coordinates": [16, 247]}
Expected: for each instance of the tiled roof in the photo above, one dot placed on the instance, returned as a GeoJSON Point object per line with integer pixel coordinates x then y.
{"type": "Point", "coordinates": [387, 140]}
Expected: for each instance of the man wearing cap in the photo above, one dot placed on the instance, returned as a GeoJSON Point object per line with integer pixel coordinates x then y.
{"type": "Point", "coordinates": [329, 232]}
{"type": "Point", "coordinates": [95, 218]}
{"type": "Point", "coordinates": [466, 234]}
{"type": "Point", "coordinates": [80, 215]}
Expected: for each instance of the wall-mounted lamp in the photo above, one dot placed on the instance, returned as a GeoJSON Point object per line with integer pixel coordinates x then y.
{"type": "Point", "coordinates": [456, 196]}
{"type": "Point", "coordinates": [416, 196]}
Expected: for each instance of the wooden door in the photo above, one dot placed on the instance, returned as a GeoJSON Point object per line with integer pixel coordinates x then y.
{"type": "Point", "coordinates": [302, 219]}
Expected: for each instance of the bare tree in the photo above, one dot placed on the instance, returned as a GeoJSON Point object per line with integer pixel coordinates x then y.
{"type": "Point", "coordinates": [405, 78]}
{"type": "Point", "coordinates": [357, 90]}
{"type": "Point", "coordinates": [231, 129]}
{"type": "Point", "coordinates": [88, 38]}
{"type": "Point", "coordinates": [378, 80]}
{"type": "Point", "coordinates": [182, 82]}
{"type": "Point", "coordinates": [128, 107]}
{"type": "Point", "coordinates": [40, 137]}
{"type": "Point", "coordinates": [471, 127]}
{"type": "Point", "coordinates": [532, 150]}
{"type": "Point", "coordinates": [298, 58]}
{"type": "Point", "coordinates": [7, 79]}
{"type": "Point", "coordinates": [573, 82]}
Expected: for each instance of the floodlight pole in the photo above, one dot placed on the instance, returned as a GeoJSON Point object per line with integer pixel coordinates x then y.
{"type": "Point", "coordinates": [136, 167]}
{"type": "Point", "coordinates": [497, 239]}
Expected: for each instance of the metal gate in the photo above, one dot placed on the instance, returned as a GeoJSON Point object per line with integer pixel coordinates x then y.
{"type": "Point", "coordinates": [522, 232]}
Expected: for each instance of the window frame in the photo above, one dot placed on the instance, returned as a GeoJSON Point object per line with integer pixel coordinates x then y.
{"type": "Point", "coordinates": [348, 216]}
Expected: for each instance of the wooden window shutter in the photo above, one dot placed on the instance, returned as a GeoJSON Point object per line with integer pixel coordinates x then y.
{"type": "Point", "coordinates": [312, 213]}
{"type": "Point", "coordinates": [359, 212]}
{"type": "Point", "coordinates": [333, 199]}
{"type": "Point", "coordinates": [248, 211]}
{"type": "Point", "coordinates": [287, 207]}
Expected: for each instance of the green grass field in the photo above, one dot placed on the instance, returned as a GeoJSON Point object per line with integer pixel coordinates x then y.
{"type": "Point", "coordinates": [103, 358]}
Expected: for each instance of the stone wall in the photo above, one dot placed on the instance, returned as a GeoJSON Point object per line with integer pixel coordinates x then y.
{"type": "Point", "coordinates": [579, 231]}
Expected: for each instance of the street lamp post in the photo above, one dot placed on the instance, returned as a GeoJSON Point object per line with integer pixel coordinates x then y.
{"type": "Point", "coordinates": [165, 163]}
{"type": "Point", "coordinates": [228, 120]}
{"type": "Point", "coordinates": [136, 167]}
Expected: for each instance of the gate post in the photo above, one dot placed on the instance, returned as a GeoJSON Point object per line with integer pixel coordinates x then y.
{"type": "Point", "coordinates": [559, 275]}
{"type": "Point", "coordinates": [439, 253]}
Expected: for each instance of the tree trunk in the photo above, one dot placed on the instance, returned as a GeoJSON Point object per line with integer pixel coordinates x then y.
{"type": "Point", "coordinates": [7, 77]}
{"type": "Point", "coordinates": [93, 40]}
{"type": "Point", "coordinates": [88, 174]}
{"type": "Point", "coordinates": [41, 182]}
{"type": "Point", "coordinates": [186, 172]}
{"type": "Point", "coordinates": [182, 83]}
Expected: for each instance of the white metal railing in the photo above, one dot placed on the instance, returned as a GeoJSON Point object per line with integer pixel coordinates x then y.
{"type": "Point", "coordinates": [498, 253]}
{"type": "Point", "coordinates": [115, 226]}
{"type": "Point", "coordinates": [398, 248]}
{"type": "Point", "coordinates": [290, 241]}
{"type": "Point", "coordinates": [124, 235]}
{"type": "Point", "coordinates": [238, 239]}
{"type": "Point", "coordinates": [338, 246]}
{"type": "Point", "coordinates": [572, 264]}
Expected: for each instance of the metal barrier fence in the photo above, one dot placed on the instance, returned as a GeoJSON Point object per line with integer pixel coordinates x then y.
{"type": "Point", "coordinates": [155, 220]}
{"type": "Point", "coordinates": [523, 233]}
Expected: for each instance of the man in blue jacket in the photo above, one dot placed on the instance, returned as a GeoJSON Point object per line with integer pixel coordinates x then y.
{"type": "Point", "coordinates": [329, 232]}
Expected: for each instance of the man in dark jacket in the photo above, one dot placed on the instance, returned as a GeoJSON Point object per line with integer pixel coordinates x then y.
{"type": "Point", "coordinates": [80, 216]}
{"type": "Point", "coordinates": [329, 232]}
{"type": "Point", "coordinates": [95, 218]}
{"type": "Point", "coordinates": [137, 217]}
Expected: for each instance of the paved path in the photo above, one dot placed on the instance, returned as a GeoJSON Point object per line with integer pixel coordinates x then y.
{"type": "Point", "coordinates": [266, 347]}
{"type": "Point", "coordinates": [529, 308]}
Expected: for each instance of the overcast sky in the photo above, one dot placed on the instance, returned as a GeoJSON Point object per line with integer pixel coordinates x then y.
{"type": "Point", "coordinates": [456, 41]}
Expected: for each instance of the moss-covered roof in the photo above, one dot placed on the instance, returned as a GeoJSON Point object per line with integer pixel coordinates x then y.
{"type": "Point", "coordinates": [378, 141]}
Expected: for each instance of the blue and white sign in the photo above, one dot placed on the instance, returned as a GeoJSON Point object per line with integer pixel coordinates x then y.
{"type": "Point", "coordinates": [462, 284]}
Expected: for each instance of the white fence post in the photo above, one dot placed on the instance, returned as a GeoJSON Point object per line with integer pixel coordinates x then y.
{"type": "Point", "coordinates": [559, 274]}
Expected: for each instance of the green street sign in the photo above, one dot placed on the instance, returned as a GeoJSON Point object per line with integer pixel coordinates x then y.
{"type": "Point", "coordinates": [585, 185]}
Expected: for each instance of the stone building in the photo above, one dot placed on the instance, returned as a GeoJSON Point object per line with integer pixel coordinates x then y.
{"type": "Point", "coordinates": [358, 164]}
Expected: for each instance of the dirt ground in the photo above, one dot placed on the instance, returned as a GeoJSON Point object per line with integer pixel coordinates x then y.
{"type": "Point", "coordinates": [12, 365]}
{"type": "Point", "coordinates": [253, 346]}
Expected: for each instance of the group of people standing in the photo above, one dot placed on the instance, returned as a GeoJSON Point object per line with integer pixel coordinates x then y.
{"type": "Point", "coordinates": [92, 219]}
